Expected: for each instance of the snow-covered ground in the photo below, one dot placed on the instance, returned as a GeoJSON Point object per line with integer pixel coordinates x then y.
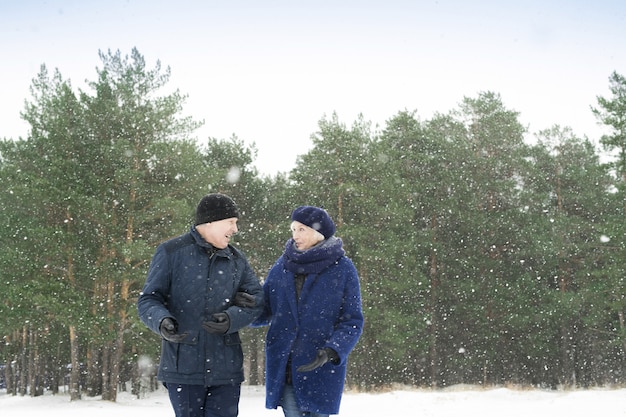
{"type": "Point", "coordinates": [452, 402]}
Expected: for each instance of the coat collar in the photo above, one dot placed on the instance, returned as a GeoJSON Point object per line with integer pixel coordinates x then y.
{"type": "Point", "coordinates": [314, 260]}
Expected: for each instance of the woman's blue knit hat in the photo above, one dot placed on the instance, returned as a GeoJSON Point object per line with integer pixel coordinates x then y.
{"type": "Point", "coordinates": [316, 218]}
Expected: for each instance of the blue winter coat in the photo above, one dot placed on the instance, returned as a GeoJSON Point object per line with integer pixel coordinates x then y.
{"type": "Point", "coordinates": [328, 314]}
{"type": "Point", "coordinates": [186, 283]}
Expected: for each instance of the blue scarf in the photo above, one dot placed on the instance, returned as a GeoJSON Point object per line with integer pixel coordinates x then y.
{"type": "Point", "coordinates": [315, 259]}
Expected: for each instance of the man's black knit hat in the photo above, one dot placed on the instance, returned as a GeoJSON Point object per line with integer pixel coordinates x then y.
{"type": "Point", "coordinates": [214, 207]}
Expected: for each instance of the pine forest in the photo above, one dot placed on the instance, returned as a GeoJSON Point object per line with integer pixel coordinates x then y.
{"type": "Point", "coordinates": [487, 254]}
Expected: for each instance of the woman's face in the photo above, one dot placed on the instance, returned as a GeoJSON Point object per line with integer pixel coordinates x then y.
{"type": "Point", "coordinates": [304, 236]}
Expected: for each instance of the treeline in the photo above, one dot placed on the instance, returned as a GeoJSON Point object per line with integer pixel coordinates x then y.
{"type": "Point", "coordinates": [484, 258]}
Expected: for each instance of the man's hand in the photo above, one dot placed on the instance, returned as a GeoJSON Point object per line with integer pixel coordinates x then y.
{"type": "Point", "coordinates": [219, 324]}
{"type": "Point", "coordinates": [169, 331]}
{"type": "Point", "coordinates": [323, 356]}
{"type": "Point", "coordinates": [245, 300]}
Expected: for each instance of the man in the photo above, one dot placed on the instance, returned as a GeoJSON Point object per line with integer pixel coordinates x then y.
{"type": "Point", "coordinates": [189, 299]}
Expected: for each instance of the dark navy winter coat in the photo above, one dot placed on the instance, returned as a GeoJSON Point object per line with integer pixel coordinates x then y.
{"type": "Point", "coordinates": [328, 314]}
{"type": "Point", "coordinates": [188, 284]}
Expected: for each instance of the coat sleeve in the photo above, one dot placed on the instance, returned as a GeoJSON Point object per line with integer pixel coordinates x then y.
{"type": "Point", "coordinates": [241, 317]}
{"type": "Point", "coordinates": [151, 304]}
{"type": "Point", "coordinates": [349, 326]}
{"type": "Point", "coordinates": [266, 315]}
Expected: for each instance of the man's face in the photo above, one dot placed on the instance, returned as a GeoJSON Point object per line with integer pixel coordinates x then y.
{"type": "Point", "coordinates": [218, 233]}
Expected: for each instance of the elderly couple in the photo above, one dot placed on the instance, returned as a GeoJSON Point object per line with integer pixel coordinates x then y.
{"type": "Point", "coordinates": [200, 291]}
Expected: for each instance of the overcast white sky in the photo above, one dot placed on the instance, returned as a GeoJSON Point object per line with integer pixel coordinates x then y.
{"type": "Point", "coordinates": [268, 71]}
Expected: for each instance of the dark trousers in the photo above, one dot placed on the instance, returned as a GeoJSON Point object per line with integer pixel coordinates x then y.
{"type": "Point", "coordinates": [200, 401]}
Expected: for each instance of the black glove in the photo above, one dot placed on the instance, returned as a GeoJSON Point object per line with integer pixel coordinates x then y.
{"type": "Point", "coordinates": [243, 299]}
{"type": "Point", "coordinates": [219, 325]}
{"type": "Point", "coordinates": [323, 356]}
{"type": "Point", "coordinates": [169, 331]}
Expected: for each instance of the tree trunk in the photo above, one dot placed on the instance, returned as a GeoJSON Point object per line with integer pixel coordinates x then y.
{"type": "Point", "coordinates": [106, 362]}
{"type": "Point", "coordinates": [622, 326]}
{"type": "Point", "coordinates": [434, 321]}
{"type": "Point", "coordinates": [54, 368]}
{"type": "Point", "coordinates": [9, 376]}
{"type": "Point", "coordinates": [23, 363]}
{"type": "Point", "coordinates": [32, 371]}
{"type": "Point", "coordinates": [116, 355]}
{"type": "Point", "coordinates": [75, 371]}
{"type": "Point", "coordinates": [34, 367]}
{"type": "Point", "coordinates": [254, 360]}
{"type": "Point", "coordinates": [93, 383]}
{"type": "Point", "coordinates": [116, 358]}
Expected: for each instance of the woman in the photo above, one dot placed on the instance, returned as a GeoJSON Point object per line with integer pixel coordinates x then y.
{"type": "Point", "coordinates": [313, 307]}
